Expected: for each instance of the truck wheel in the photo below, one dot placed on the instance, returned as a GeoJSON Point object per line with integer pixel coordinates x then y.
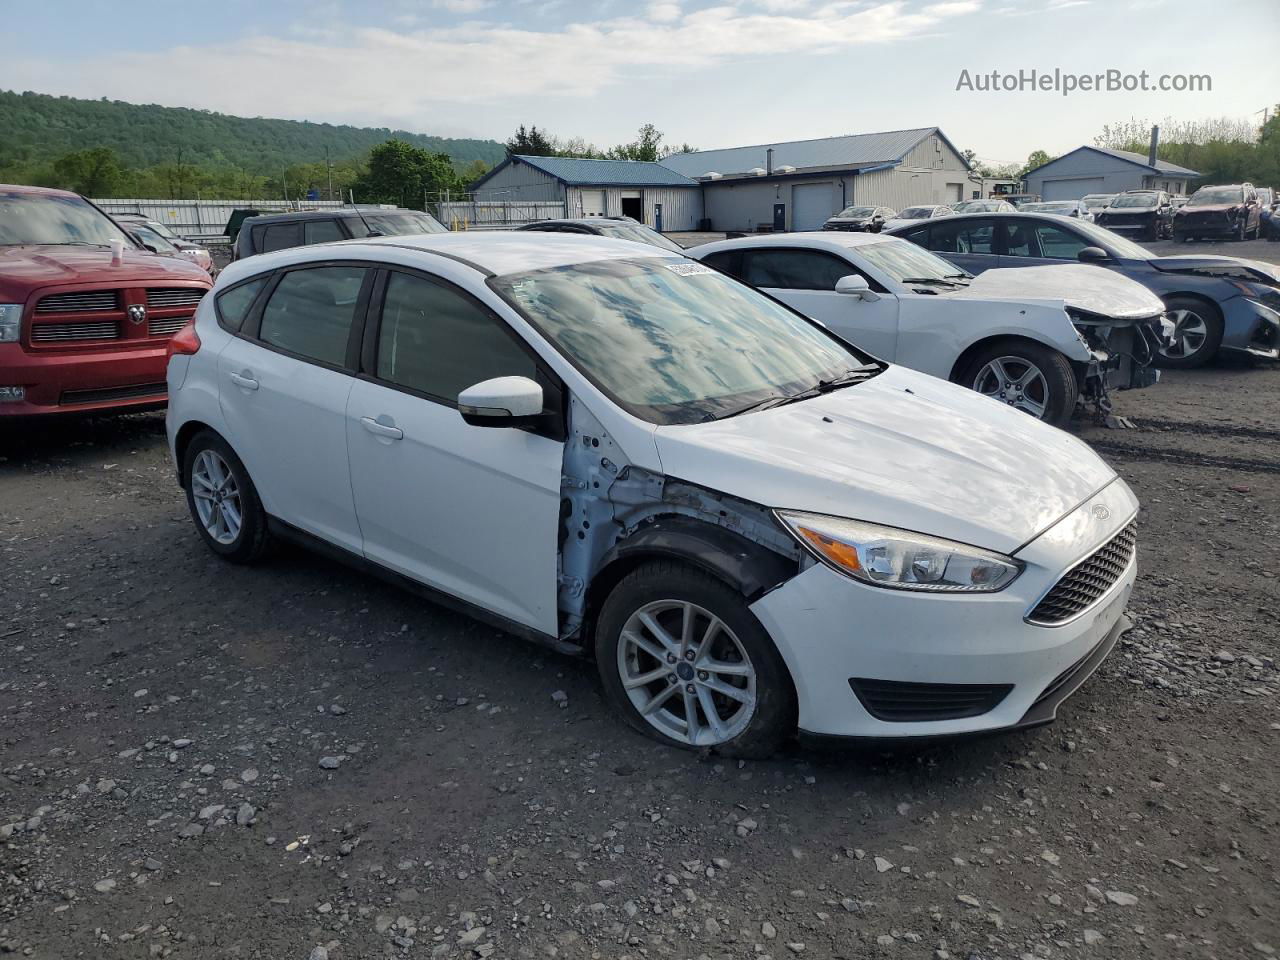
{"type": "Point", "coordinates": [223, 501]}
{"type": "Point", "coordinates": [1197, 332]}
{"type": "Point", "coordinates": [684, 661]}
{"type": "Point", "coordinates": [1027, 376]}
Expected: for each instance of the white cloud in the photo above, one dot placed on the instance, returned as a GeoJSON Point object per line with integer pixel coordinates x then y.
{"type": "Point", "coordinates": [462, 6]}
{"type": "Point", "coordinates": [664, 12]}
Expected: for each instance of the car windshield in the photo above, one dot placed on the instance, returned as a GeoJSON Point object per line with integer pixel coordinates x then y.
{"type": "Point", "coordinates": [903, 260]}
{"type": "Point", "coordinates": [1097, 203]}
{"type": "Point", "coordinates": [856, 212]}
{"type": "Point", "coordinates": [1135, 200]}
{"type": "Point", "coordinates": [1119, 246]}
{"type": "Point", "coordinates": [45, 218]}
{"type": "Point", "coordinates": [152, 238]}
{"type": "Point", "coordinates": [163, 230]}
{"type": "Point", "coordinates": [673, 341]}
{"type": "Point", "coordinates": [639, 233]}
{"type": "Point", "coordinates": [1213, 196]}
{"type": "Point", "coordinates": [1059, 206]}
{"type": "Point", "coordinates": [916, 213]}
{"type": "Point", "coordinates": [397, 224]}
{"type": "Point", "coordinates": [979, 206]}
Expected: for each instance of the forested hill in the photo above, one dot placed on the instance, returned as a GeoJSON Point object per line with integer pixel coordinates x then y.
{"type": "Point", "coordinates": [36, 128]}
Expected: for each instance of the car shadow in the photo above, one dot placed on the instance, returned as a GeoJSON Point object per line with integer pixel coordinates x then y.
{"type": "Point", "coordinates": [67, 438]}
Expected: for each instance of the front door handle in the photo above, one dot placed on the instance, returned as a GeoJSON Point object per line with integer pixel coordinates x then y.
{"type": "Point", "coordinates": [243, 380]}
{"type": "Point", "coordinates": [380, 429]}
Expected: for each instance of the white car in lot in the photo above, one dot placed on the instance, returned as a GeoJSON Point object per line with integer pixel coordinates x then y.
{"type": "Point", "coordinates": [615, 450]}
{"type": "Point", "coordinates": [910, 215]}
{"type": "Point", "coordinates": [1042, 342]}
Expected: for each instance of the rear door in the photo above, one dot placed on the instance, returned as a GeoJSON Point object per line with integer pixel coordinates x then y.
{"type": "Point", "coordinates": [969, 243]}
{"type": "Point", "coordinates": [471, 511]}
{"type": "Point", "coordinates": [806, 280]}
{"type": "Point", "coordinates": [282, 386]}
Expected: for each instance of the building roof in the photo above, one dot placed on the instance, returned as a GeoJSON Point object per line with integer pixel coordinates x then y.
{"type": "Point", "coordinates": [576, 171]}
{"type": "Point", "coordinates": [1161, 166]}
{"type": "Point", "coordinates": [855, 150]}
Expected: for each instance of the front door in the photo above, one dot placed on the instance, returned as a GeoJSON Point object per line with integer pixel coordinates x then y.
{"type": "Point", "coordinates": [471, 511]}
{"type": "Point", "coordinates": [283, 386]}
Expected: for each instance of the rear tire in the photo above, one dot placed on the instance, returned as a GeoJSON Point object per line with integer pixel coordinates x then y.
{"type": "Point", "coordinates": [1030, 377]}
{"type": "Point", "coordinates": [668, 620]}
{"type": "Point", "coordinates": [1197, 333]}
{"type": "Point", "coordinates": [223, 501]}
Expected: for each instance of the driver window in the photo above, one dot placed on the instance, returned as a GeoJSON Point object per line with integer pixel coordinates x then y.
{"type": "Point", "coordinates": [794, 269]}
{"type": "Point", "coordinates": [1058, 243]}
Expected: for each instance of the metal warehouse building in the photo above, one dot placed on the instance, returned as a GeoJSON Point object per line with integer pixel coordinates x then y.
{"type": "Point", "coordinates": [648, 192]}
{"type": "Point", "coordinates": [1097, 170]}
{"type": "Point", "coordinates": [799, 184]}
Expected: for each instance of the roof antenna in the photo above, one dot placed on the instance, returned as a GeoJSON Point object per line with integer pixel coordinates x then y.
{"type": "Point", "coordinates": [370, 232]}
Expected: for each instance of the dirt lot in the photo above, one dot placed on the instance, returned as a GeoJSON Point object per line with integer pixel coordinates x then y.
{"type": "Point", "coordinates": [297, 761]}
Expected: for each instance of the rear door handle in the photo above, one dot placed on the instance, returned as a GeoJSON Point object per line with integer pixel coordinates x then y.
{"type": "Point", "coordinates": [243, 381]}
{"type": "Point", "coordinates": [388, 430]}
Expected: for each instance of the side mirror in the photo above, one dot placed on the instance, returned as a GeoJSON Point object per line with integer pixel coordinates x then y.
{"type": "Point", "coordinates": [1092, 255]}
{"type": "Point", "coordinates": [857, 286]}
{"type": "Point", "coordinates": [501, 402]}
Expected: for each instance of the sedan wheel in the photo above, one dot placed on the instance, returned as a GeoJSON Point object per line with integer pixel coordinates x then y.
{"type": "Point", "coordinates": [1197, 333]}
{"type": "Point", "coordinates": [217, 497]}
{"type": "Point", "coordinates": [1016, 381]}
{"type": "Point", "coordinates": [686, 673]}
{"type": "Point", "coordinates": [1189, 334]}
{"type": "Point", "coordinates": [223, 501]}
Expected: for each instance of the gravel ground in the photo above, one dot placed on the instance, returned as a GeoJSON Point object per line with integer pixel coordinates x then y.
{"type": "Point", "coordinates": [298, 761]}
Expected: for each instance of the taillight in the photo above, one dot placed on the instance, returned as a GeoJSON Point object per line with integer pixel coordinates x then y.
{"type": "Point", "coordinates": [186, 341]}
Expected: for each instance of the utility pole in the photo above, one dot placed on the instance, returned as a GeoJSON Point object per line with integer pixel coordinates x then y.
{"type": "Point", "coordinates": [328, 169]}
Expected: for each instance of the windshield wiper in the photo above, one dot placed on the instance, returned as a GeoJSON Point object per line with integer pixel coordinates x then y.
{"type": "Point", "coordinates": [946, 281]}
{"type": "Point", "coordinates": [850, 376]}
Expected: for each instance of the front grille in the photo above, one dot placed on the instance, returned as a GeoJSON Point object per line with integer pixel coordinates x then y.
{"type": "Point", "coordinates": [1086, 582]}
{"type": "Point", "coordinates": [130, 392]}
{"type": "Point", "coordinates": [59, 332]}
{"type": "Point", "coordinates": [163, 298]}
{"type": "Point", "coordinates": [163, 328]}
{"type": "Point", "coordinates": [899, 702]}
{"type": "Point", "coordinates": [78, 302]}
{"type": "Point", "coordinates": [1126, 219]}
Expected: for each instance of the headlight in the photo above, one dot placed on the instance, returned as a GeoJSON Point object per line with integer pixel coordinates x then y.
{"type": "Point", "coordinates": [886, 557]}
{"type": "Point", "coordinates": [10, 321]}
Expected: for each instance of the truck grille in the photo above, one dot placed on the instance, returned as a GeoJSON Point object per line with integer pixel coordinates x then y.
{"type": "Point", "coordinates": [57, 332]}
{"type": "Point", "coordinates": [79, 302]}
{"type": "Point", "coordinates": [1086, 582]}
{"type": "Point", "coordinates": [166, 298]}
{"type": "Point", "coordinates": [163, 328]}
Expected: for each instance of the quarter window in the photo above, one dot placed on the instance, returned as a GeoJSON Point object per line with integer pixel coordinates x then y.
{"type": "Point", "coordinates": [436, 341]}
{"type": "Point", "coordinates": [233, 306]}
{"type": "Point", "coordinates": [321, 231]}
{"type": "Point", "coordinates": [311, 311]}
{"type": "Point", "coordinates": [793, 269]}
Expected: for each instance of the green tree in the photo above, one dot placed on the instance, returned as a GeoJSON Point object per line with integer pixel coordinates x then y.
{"type": "Point", "coordinates": [406, 175]}
{"type": "Point", "coordinates": [646, 146]}
{"type": "Point", "coordinates": [1038, 158]}
{"type": "Point", "coordinates": [531, 143]}
{"type": "Point", "coordinates": [94, 172]}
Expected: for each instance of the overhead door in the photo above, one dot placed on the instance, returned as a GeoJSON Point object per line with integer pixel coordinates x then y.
{"type": "Point", "coordinates": [1072, 189]}
{"type": "Point", "coordinates": [810, 205]}
{"type": "Point", "coordinates": [955, 192]}
{"type": "Point", "coordinates": [592, 203]}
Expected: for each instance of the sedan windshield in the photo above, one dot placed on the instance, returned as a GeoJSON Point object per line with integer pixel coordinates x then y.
{"type": "Point", "coordinates": [916, 213]}
{"type": "Point", "coordinates": [905, 261]}
{"type": "Point", "coordinates": [1135, 200]}
{"type": "Point", "coordinates": [639, 233]}
{"type": "Point", "coordinates": [1216, 196]}
{"type": "Point", "coordinates": [151, 238]}
{"type": "Point", "coordinates": [44, 218]}
{"type": "Point", "coordinates": [1054, 206]}
{"type": "Point", "coordinates": [856, 212]}
{"type": "Point", "coordinates": [1097, 203]}
{"type": "Point", "coordinates": [673, 341]}
{"type": "Point", "coordinates": [1117, 245]}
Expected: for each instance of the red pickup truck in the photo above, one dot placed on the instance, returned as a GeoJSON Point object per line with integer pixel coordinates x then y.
{"type": "Point", "coordinates": [85, 313]}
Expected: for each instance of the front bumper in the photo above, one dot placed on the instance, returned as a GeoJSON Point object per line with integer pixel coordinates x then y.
{"type": "Point", "coordinates": [836, 634]}
{"type": "Point", "coordinates": [1251, 327]}
{"type": "Point", "coordinates": [89, 381]}
{"type": "Point", "coordinates": [1210, 228]}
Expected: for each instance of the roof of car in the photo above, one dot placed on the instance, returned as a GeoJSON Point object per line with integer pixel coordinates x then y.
{"type": "Point", "coordinates": [24, 188]}
{"type": "Point", "coordinates": [579, 221]}
{"type": "Point", "coordinates": [828, 239]}
{"type": "Point", "coordinates": [351, 212]}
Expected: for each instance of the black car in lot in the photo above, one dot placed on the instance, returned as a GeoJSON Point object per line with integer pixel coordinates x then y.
{"type": "Point", "coordinates": [280, 231]}
{"type": "Point", "coordinates": [1142, 214]}
{"type": "Point", "coordinates": [1215, 303]}
{"type": "Point", "coordinates": [1230, 211]}
{"type": "Point", "coordinates": [620, 228]}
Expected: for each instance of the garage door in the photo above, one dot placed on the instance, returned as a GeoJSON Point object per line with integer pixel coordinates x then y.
{"type": "Point", "coordinates": [592, 203]}
{"type": "Point", "coordinates": [955, 192]}
{"type": "Point", "coordinates": [810, 205]}
{"type": "Point", "coordinates": [1072, 189]}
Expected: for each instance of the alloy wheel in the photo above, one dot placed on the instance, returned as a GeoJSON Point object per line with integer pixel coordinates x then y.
{"type": "Point", "coordinates": [1189, 334]}
{"type": "Point", "coordinates": [217, 497]}
{"type": "Point", "coordinates": [1015, 381]}
{"type": "Point", "coordinates": [686, 673]}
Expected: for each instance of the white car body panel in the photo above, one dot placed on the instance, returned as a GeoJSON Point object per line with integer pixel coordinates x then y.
{"type": "Point", "coordinates": [1075, 284]}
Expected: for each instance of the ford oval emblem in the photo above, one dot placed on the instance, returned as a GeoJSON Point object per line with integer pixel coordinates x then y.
{"type": "Point", "coordinates": [1100, 512]}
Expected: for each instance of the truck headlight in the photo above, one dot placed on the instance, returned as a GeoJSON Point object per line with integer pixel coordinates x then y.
{"type": "Point", "coordinates": [10, 321]}
{"type": "Point", "coordinates": [900, 559]}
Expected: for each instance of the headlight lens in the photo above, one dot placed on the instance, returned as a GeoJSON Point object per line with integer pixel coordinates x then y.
{"type": "Point", "coordinates": [10, 321]}
{"type": "Point", "coordinates": [887, 557]}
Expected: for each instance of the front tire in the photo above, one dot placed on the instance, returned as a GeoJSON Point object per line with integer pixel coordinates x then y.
{"type": "Point", "coordinates": [684, 661]}
{"type": "Point", "coordinates": [223, 501]}
{"type": "Point", "coordinates": [1196, 335]}
{"type": "Point", "coordinates": [1030, 377]}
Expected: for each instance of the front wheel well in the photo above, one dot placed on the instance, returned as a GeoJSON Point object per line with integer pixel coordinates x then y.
{"type": "Point", "coordinates": [971, 351]}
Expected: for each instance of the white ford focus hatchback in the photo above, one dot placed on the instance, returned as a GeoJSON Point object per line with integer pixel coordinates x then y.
{"type": "Point", "coordinates": [616, 450]}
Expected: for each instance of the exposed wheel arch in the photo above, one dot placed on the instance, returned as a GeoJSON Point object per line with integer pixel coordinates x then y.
{"type": "Point", "coordinates": [966, 357]}
{"type": "Point", "coordinates": [183, 440]}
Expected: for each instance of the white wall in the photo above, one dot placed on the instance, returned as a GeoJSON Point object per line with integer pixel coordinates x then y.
{"type": "Point", "coordinates": [681, 206]}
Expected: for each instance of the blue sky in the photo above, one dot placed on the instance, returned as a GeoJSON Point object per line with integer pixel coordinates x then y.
{"type": "Point", "coordinates": [710, 72]}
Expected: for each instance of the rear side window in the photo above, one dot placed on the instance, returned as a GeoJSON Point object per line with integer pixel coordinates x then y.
{"type": "Point", "coordinates": [321, 231]}
{"type": "Point", "coordinates": [311, 311]}
{"type": "Point", "coordinates": [436, 341]}
{"type": "Point", "coordinates": [968, 236]}
{"type": "Point", "coordinates": [233, 306]}
{"type": "Point", "coordinates": [278, 236]}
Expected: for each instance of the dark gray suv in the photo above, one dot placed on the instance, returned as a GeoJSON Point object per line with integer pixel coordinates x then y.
{"type": "Point", "coordinates": [279, 231]}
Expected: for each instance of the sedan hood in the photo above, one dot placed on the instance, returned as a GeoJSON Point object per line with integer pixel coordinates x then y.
{"type": "Point", "coordinates": [902, 449]}
{"type": "Point", "coordinates": [1234, 267]}
{"type": "Point", "coordinates": [1078, 285]}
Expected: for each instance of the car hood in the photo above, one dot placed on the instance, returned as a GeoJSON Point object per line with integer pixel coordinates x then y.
{"type": "Point", "coordinates": [849, 219]}
{"type": "Point", "coordinates": [26, 268]}
{"type": "Point", "coordinates": [1078, 285]}
{"type": "Point", "coordinates": [1123, 210]}
{"type": "Point", "coordinates": [902, 449]}
{"type": "Point", "coordinates": [904, 221]}
{"type": "Point", "coordinates": [1209, 207]}
{"type": "Point", "coordinates": [1236, 267]}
